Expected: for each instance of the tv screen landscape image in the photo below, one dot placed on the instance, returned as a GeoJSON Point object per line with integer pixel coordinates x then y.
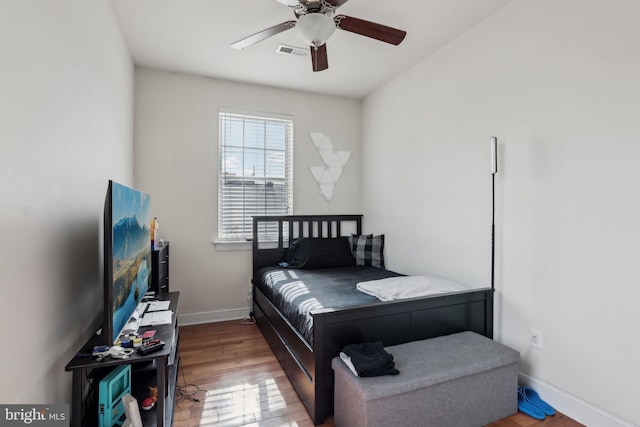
{"type": "Point", "coordinates": [127, 255]}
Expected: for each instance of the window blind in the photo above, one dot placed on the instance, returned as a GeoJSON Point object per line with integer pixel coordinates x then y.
{"type": "Point", "coordinates": [255, 172]}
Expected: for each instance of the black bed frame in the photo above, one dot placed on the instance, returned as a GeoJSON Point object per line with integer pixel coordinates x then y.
{"type": "Point", "coordinates": [309, 368]}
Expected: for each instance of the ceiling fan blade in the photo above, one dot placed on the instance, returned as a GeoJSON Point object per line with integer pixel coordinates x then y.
{"type": "Point", "coordinates": [264, 34]}
{"type": "Point", "coordinates": [336, 3]}
{"type": "Point", "coordinates": [370, 29]}
{"type": "Point", "coordinates": [319, 57]}
{"type": "Point", "coordinates": [290, 3]}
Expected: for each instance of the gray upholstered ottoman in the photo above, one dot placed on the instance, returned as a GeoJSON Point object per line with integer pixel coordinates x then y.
{"type": "Point", "coordinates": [458, 380]}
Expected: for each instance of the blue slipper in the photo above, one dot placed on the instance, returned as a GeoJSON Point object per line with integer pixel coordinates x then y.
{"type": "Point", "coordinates": [525, 407]}
{"type": "Point", "coordinates": [532, 397]}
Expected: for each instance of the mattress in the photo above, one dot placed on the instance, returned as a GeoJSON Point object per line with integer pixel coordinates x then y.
{"type": "Point", "coordinates": [297, 293]}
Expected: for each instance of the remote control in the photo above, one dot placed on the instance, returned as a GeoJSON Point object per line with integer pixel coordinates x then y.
{"type": "Point", "coordinates": [150, 346]}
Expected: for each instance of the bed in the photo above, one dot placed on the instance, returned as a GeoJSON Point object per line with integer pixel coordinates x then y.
{"type": "Point", "coordinates": [305, 341]}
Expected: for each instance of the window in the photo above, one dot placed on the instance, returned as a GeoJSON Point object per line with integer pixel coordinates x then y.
{"type": "Point", "coordinates": [255, 173]}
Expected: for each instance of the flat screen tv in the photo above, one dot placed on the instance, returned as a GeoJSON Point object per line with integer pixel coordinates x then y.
{"type": "Point", "coordinates": [127, 256]}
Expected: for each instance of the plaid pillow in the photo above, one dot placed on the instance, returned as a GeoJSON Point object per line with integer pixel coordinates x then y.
{"type": "Point", "coordinates": [368, 250]}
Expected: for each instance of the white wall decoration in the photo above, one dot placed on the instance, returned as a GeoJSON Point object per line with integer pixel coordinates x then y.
{"type": "Point", "coordinates": [334, 162]}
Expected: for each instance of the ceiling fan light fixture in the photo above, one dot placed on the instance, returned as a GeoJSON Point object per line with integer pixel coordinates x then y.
{"type": "Point", "coordinates": [315, 28]}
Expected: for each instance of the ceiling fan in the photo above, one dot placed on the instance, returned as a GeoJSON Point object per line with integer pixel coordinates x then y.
{"type": "Point", "coordinates": [316, 21]}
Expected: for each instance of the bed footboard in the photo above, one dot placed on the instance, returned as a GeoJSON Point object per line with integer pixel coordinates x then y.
{"type": "Point", "coordinates": [394, 323]}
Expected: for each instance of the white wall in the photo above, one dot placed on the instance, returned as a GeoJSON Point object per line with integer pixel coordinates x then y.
{"type": "Point", "coordinates": [558, 82]}
{"type": "Point", "coordinates": [65, 128]}
{"type": "Point", "coordinates": [176, 128]}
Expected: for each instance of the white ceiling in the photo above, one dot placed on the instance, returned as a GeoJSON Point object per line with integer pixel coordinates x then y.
{"type": "Point", "coordinates": [193, 36]}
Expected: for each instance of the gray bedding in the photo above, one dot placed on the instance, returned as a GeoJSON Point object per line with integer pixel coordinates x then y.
{"type": "Point", "coordinates": [298, 293]}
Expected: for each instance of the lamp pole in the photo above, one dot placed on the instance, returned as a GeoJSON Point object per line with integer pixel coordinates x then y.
{"type": "Point", "coordinates": [494, 170]}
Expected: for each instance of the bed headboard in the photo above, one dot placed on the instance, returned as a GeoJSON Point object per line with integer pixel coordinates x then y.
{"type": "Point", "coordinates": [273, 234]}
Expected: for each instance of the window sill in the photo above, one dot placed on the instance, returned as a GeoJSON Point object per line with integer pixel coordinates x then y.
{"type": "Point", "coordinates": [233, 246]}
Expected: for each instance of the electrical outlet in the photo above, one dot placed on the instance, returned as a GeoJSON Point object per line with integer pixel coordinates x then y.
{"type": "Point", "coordinates": [536, 338]}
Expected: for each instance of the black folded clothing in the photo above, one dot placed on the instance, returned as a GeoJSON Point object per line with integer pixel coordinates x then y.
{"type": "Point", "coordinates": [370, 359]}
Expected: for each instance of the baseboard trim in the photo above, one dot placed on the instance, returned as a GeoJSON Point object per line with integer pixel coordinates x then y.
{"type": "Point", "coordinates": [573, 407]}
{"type": "Point", "coordinates": [213, 316]}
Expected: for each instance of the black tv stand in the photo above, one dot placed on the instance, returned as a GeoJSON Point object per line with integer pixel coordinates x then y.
{"type": "Point", "coordinates": [158, 369]}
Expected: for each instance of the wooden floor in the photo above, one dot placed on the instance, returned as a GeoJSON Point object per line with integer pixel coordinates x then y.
{"type": "Point", "coordinates": [233, 379]}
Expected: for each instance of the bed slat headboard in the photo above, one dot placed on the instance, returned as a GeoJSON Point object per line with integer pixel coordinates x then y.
{"type": "Point", "coordinates": [272, 235]}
